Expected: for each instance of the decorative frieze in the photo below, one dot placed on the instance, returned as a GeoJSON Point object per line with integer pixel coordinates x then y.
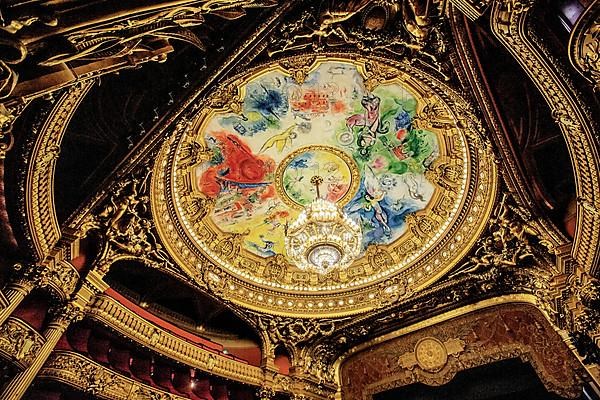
{"type": "Point", "coordinates": [90, 377]}
{"type": "Point", "coordinates": [19, 342]}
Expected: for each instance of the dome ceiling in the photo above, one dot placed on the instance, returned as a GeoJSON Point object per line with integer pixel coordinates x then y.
{"type": "Point", "coordinates": [398, 151]}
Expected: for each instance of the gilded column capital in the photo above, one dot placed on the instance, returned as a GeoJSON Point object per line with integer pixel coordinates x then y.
{"type": "Point", "coordinates": [29, 276]}
{"type": "Point", "coordinates": [60, 277]}
{"type": "Point", "coordinates": [265, 393]}
{"type": "Point", "coordinates": [67, 313]}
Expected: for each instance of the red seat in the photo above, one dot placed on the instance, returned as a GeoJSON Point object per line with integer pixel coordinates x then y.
{"type": "Point", "coordinates": [242, 394]}
{"type": "Point", "coordinates": [220, 392]}
{"type": "Point", "coordinates": [202, 388]}
{"type": "Point", "coordinates": [162, 375]}
{"type": "Point", "coordinates": [182, 380]}
{"type": "Point", "coordinates": [42, 394]}
{"type": "Point", "coordinates": [140, 367]}
{"type": "Point", "coordinates": [98, 347]}
{"type": "Point", "coordinates": [120, 359]}
{"type": "Point", "coordinates": [78, 338]}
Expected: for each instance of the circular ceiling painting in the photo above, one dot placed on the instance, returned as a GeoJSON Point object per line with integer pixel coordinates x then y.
{"type": "Point", "coordinates": [399, 153]}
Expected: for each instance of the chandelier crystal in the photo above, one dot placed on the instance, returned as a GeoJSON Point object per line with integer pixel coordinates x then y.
{"type": "Point", "coordinates": [322, 238]}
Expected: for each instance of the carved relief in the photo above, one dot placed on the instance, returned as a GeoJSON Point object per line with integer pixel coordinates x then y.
{"type": "Point", "coordinates": [147, 34]}
{"type": "Point", "coordinates": [584, 45]}
{"type": "Point", "coordinates": [60, 277]}
{"type": "Point", "coordinates": [90, 377]}
{"type": "Point", "coordinates": [509, 21]}
{"type": "Point", "coordinates": [292, 331]}
{"type": "Point", "coordinates": [19, 341]}
{"type": "Point", "coordinates": [126, 225]}
{"type": "Point", "coordinates": [510, 242]}
{"type": "Point", "coordinates": [435, 354]}
{"type": "Point", "coordinates": [401, 28]}
{"type": "Point", "coordinates": [40, 175]}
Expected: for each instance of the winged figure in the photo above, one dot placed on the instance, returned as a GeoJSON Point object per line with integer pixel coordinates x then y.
{"type": "Point", "coordinates": [370, 201]}
{"type": "Point", "coordinates": [280, 141]}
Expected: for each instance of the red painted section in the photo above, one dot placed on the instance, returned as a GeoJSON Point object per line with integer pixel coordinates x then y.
{"type": "Point", "coordinates": [282, 362]}
{"type": "Point", "coordinates": [63, 344]}
{"type": "Point", "coordinates": [252, 355]}
{"type": "Point", "coordinates": [79, 262]}
{"type": "Point", "coordinates": [33, 310]}
{"type": "Point", "coordinates": [197, 340]}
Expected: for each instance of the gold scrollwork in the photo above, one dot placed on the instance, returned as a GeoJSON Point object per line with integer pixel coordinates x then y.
{"type": "Point", "coordinates": [19, 341]}
{"type": "Point", "coordinates": [90, 377]}
{"type": "Point", "coordinates": [40, 177]}
{"type": "Point", "coordinates": [584, 44]}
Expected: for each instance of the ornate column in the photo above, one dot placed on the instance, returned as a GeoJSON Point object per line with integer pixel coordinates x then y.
{"type": "Point", "coordinates": [16, 290]}
{"type": "Point", "coordinates": [70, 312]}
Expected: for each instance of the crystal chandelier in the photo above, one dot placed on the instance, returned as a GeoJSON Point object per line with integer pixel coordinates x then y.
{"type": "Point", "coordinates": [323, 238]}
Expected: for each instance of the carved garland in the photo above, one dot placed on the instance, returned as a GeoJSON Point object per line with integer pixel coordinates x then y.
{"type": "Point", "coordinates": [19, 342]}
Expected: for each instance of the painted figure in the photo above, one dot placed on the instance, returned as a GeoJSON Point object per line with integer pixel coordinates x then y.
{"type": "Point", "coordinates": [369, 121]}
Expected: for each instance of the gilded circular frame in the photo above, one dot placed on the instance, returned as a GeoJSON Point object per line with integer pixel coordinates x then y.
{"type": "Point", "coordinates": [437, 237]}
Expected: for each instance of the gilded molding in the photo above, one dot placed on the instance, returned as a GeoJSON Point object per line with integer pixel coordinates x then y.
{"type": "Point", "coordinates": [584, 45]}
{"type": "Point", "coordinates": [19, 342]}
{"type": "Point", "coordinates": [509, 24]}
{"type": "Point", "coordinates": [39, 194]}
{"type": "Point", "coordinates": [110, 312]}
{"type": "Point", "coordinates": [92, 378]}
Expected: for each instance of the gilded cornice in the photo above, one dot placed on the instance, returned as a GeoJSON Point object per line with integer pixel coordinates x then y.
{"type": "Point", "coordinates": [584, 44]}
{"type": "Point", "coordinates": [19, 342]}
{"type": "Point", "coordinates": [117, 317]}
{"type": "Point", "coordinates": [92, 378]}
{"type": "Point", "coordinates": [509, 21]}
{"type": "Point", "coordinates": [111, 313]}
